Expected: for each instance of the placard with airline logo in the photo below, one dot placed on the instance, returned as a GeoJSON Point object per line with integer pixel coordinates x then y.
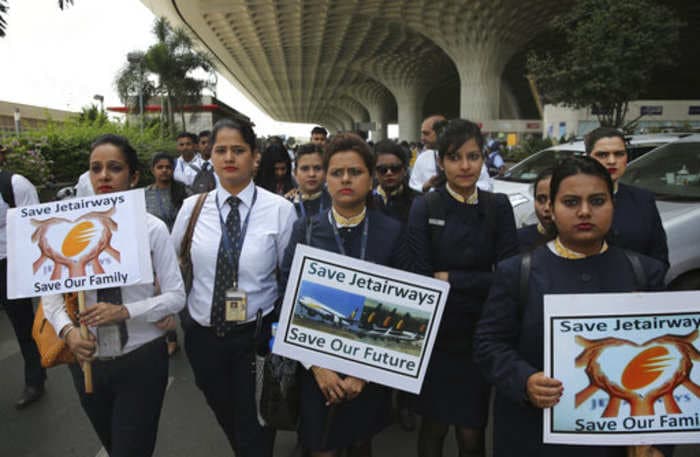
{"type": "Point", "coordinates": [358, 318]}
{"type": "Point", "coordinates": [629, 364]}
{"type": "Point", "coordinates": [79, 244]}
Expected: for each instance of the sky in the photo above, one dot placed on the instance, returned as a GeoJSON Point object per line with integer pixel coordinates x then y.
{"type": "Point", "coordinates": [61, 59]}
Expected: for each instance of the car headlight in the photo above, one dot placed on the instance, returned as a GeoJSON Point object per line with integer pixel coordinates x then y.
{"type": "Point", "coordinates": [517, 199]}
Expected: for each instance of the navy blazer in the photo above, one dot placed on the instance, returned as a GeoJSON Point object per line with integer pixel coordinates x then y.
{"type": "Point", "coordinates": [637, 224]}
{"type": "Point", "coordinates": [469, 248]}
{"type": "Point", "coordinates": [313, 207]}
{"type": "Point", "coordinates": [509, 339]}
{"type": "Point", "coordinates": [384, 240]}
{"type": "Point", "coordinates": [398, 206]}
{"type": "Point", "coordinates": [529, 238]}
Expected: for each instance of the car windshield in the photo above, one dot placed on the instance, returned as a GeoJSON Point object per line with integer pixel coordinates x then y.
{"type": "Point", "coordinates": [672, 172]}
{"type": "Point", "coordinates": [528, 169]}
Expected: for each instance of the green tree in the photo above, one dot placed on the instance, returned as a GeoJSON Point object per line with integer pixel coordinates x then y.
{"type": "Point", "coordinates": [169, 68]}
{"type": "Point", "coordinates": [609, 50]}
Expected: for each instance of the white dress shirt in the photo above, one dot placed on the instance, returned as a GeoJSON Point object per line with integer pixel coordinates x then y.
{"type": "Point", "coordinates": [425, 167]}
{"type": "Point", "coordinates": [25, 194]}
{"type": "Point", "coordinates": [266, 238]}
{"type": "Point", "coordinates": [145, 308]}
{"type": "Point", "coordinates": [84, 186]}
{"type": "Point", "coordinates": [184, 172]}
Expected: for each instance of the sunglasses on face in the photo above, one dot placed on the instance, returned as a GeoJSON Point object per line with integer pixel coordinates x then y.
{"type": "Point", "coordinates": [384, 169]}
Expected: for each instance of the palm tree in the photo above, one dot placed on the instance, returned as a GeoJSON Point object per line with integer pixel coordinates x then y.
{"type": "Point", "coordinates": [168, 66]}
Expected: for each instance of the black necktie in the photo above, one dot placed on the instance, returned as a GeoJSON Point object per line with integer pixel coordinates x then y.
{"type": "Point", "coordinates": [225, 269]}
{"type": "Point", "coordinates": [113, 295]}
{"type": "Point", "coordinates": [205, 165]}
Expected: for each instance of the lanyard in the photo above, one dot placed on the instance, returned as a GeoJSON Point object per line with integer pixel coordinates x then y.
{"type": "Point", "coordinates": [233, 249]}
{"type": "Point", "coordinates": [302, 207]}
{"type": "Point", "coordinates": [339, 241]}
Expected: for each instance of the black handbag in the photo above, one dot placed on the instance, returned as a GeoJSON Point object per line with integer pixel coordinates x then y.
{"type": "Point", "coordinates": [278, 382]}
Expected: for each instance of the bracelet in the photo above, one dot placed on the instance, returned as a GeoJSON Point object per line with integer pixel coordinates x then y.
{"type": "Point", "coordinates": [66, 330]}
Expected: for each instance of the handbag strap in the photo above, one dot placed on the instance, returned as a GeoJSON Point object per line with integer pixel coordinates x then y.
{"type": "Point", "coordinates": [187, 239]}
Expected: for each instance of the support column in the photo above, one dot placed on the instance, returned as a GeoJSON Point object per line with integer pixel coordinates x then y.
{"type": "Point", "coordinates": [410, 107]}
{"type": "Point", "coordinates": [378, 115]}
{"type": "Point", "coordinates": [480, 70]}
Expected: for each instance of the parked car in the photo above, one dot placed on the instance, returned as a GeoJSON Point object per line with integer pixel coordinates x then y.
{"type": "Point", "coordinates": [517, 181]}
{"type": "Point", "coordinates": [672, 172]}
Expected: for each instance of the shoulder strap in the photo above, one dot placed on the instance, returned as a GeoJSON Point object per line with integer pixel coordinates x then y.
{"type": "Point", "coordinates": [640, 277]}
{"type": "Point", "coordinates": [194, 167]}
{"type": "Point", "coordinates": [6, 188]}
{"type": "Point", "coordinates": [488, 199]}
{"type": "Point", "coordinates": [309, 225]}
{"type": "Point", "coordinates": [524, 285]}
{"type": "Point", "coordinates": [436, 218]}
{"type": "Point", "coordinates": [187, 239]}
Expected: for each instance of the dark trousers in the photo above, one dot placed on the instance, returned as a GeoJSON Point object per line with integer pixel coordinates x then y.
{"type": "Point", "coordinates": [224, 370]}
{"type": "Point", "coordinates": [21, 314]}
{"type": "Point", "coordinates": [127, 398]}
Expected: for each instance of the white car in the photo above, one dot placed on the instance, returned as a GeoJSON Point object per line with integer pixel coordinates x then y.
{"type": "Point", "coordinates": [672, 172]}
{"type": "Point", "coordinates": [517, 181]}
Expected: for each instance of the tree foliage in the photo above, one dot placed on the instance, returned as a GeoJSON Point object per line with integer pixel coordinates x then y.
{"type": "Point", "coordinates": [610, 48]}
{"type": "Point", "coordinates": [168, 68]}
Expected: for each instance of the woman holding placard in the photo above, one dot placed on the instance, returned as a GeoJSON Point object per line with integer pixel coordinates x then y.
{"type": "Point", "coordinates": [338, 410]}
{"type": "Point", "coordinates": [237, 242]}
{"type": "Point", "coordinates": [457, 233]}
{"type": "Point", "coordinates": [509, 338]}
{"type": "Point", "coordinates": [127, 325]}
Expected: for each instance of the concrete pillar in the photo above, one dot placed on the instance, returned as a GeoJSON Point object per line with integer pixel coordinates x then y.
{"type": "Point", "coordinates": [480, 70]}
{"type": "Point", "coordinates": [377, 114]}
{"type": "Point", "coordinates": [409, 100]}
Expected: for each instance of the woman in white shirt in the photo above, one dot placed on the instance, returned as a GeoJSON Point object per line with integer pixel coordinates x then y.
{"type": "Point", "coordinates": [237, 246]}
{"type": "Point", "coordinates": [129, 383]}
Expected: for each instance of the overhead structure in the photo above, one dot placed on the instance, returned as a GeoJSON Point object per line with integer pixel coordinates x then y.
{"type": "Point", "coordinates": [340, 62]}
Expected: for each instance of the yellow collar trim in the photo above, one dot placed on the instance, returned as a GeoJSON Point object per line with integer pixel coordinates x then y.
{"type": "Point", "coordinates": [473, 199]}
{"type": "Point", "coordinates": [382, 193]}
{"type": "Point", "coordinates": [616, 186]}
{"type": "Point", "coordinates": [309, 197]}
{"type": "Point", "coordinates": [353, 221]}
{"type": "Point", "coordinates": [562, 251]}
{"type": "Point", "coordinates": [540, 229]}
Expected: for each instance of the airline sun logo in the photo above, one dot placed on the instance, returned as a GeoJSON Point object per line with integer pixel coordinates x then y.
{"type": "Point", "coordinates": [75, 244]}
{"type": "Point", "coordinates": [653, 371]}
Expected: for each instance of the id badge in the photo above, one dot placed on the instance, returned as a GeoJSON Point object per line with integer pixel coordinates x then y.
{"type": "Point", "coordinates": [236, 305]}
{"type": "Point", "coordinates": [108, 341]}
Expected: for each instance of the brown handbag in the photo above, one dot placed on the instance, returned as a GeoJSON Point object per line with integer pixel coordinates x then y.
{"type": "Point", "coordinates": [53, 350]}
{"type": "Point", "coordinates": [185, 258]}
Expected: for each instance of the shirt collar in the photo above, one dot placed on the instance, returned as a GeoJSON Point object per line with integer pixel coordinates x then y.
{"type": "Point", "coordinates": [562, 251]}
{"type": "Point", "coordinates": [385, 197]}
{"type": "Point", "coordinates": [541, 229]}
{"type": "Point", "coordinates": [309, 197]}
{"type": "Point", "coordinates": [473, 199]}
{"type": "Point", "coordinates": [245, 195]}
{"type": "Point", "coordinates": [616, 187]}
{"type": "Point", "coordinates": [348, 222]}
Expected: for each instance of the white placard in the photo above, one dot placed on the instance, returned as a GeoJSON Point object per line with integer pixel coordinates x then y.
{"type": "Point", "coordinates": [361, 319]}
{"type": "Point", "coordinates": [629, 364]}
{"type": "Point", "coordinates": [80, 244]}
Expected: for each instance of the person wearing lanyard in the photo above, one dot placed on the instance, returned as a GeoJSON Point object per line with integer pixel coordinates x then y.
{"type": "Point", "coordinates": [163, 199]}
{"type": "Point", "coordinates": [636, 225]}
{"type": "Point", "coordinates": [532, 236]}
{"type": "Point", "coordinates": [310, 198]}
{"type": "Point", "coordinates": [510, 335]}
{"type": "Point", "coordinates": [129, 377]}
{"type": "Point", "coordinates": [234, 284]}
{"type": "Point", "coordinates": [340, 410]}
{"type": "Point", "coordinates": [477, 230]}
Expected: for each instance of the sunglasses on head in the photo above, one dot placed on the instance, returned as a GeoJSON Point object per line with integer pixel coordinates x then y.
{"type": "Point", "coordinates": [384, 169]}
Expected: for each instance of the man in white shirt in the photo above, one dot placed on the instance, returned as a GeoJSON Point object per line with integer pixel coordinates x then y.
{"type": "Point", "coordinates": [425, 173]}
{"type": "Point", "coordinates": [189, 163]}
{"type": "Point", "coordinates": [16, 190]}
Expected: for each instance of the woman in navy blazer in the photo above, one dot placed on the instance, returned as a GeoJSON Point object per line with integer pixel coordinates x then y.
{"type": "Point", "coordinates": [476, 230]}
{"type": "Point", "coordinates": [510, 335]}
{"type": "Point", "coordinates": [636, 224]}
{"type": "Point", "coordinates": [360, 409]}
